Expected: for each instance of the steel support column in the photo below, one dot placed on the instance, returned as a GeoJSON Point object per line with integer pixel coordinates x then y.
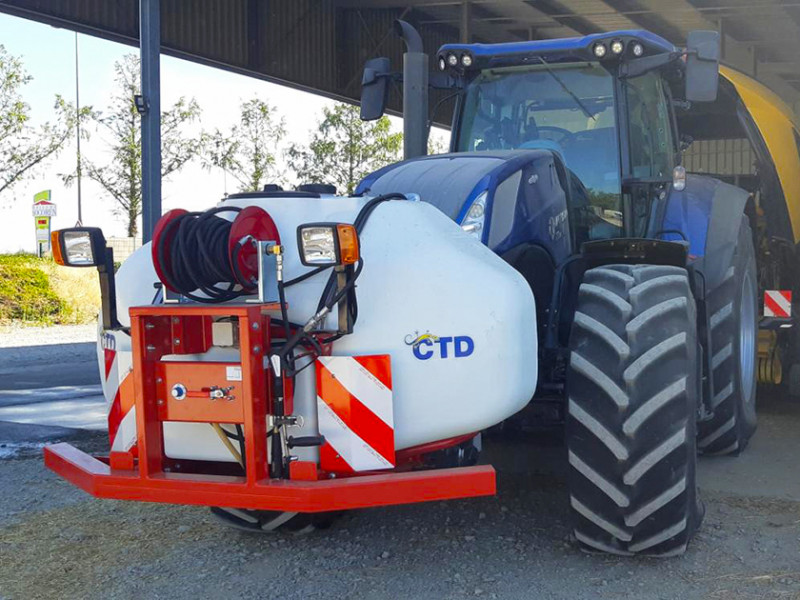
{"type": "Point", "coordinates": [150, 53]}
{"type": "Point", "coordinates": [465, 31]}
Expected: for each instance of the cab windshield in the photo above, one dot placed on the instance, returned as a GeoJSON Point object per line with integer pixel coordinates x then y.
{"type": "Point", "coordinates": [565, 108]}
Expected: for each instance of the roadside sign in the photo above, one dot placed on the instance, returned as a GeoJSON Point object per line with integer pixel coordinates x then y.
{"type": "Point", "coordinates": [43, 211]}
{"type": "Point", "coordinates": [42, 206]}
{"type": "Point", "coordinates": [43, 229]}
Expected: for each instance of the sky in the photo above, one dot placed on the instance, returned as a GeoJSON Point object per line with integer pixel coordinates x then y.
{"type": "Point", "coordinates": [48, 54]}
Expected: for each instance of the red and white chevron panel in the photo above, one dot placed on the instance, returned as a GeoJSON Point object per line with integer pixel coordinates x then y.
{"type": "Point", "coordinates": [777, 303]}
{"type": "Point", "coordinates": [355, 410]}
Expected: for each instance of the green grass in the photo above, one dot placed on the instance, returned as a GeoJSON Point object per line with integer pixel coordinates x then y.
{"type": "Point", "coordinates": [37, 291]}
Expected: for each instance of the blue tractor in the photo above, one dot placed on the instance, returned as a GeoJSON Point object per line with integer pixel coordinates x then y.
{"type": "Point", "coordinates": [565, 160]}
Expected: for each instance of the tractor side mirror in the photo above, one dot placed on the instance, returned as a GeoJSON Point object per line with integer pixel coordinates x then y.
{"type": "Point", "coordinates": [375, 88]}
{"type": "Point", "coordinates": [86, 247]}
{"type": "Point", "coordinates": [702, 66]}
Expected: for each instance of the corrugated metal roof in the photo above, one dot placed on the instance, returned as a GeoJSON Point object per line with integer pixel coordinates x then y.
{"type": "Point", "coordinates": [321, 45]}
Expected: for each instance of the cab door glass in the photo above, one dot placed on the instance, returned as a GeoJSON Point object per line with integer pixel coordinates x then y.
{"type": "Point", "coordinates": [650, 135]}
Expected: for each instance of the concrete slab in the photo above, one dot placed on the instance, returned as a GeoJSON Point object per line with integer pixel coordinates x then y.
{"type": "Point", "coordinates": [75, 413]}
{"type": "Point", "coordinates": [769, 465]}
{"type": "Point", "coordinates": [14, 397]}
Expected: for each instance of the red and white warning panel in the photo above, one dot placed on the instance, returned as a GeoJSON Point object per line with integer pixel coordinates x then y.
{"type": "Point", "coordinates": [355, 409]}
{"type": "Point", "coordinates": [778, 303]}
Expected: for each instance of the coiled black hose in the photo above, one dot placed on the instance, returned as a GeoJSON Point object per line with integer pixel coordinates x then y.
{"type": "Point", "coordinates": [198, 257]}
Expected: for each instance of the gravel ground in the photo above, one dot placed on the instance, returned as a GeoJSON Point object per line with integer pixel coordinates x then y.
{"type": "Point", "coordinates": [38, 357]}
{"type": "Point", "coordinates": [16, 335]}
{"type": "Point", "coordinates": [24, 345]}
{"type": "Point", "coordinates": [56, 542]}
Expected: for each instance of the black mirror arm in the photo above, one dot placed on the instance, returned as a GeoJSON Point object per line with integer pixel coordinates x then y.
{"type": "Point", "coordinates": [372, 76]}
{"type": "Point", "coordinates": [640, 66]}
{"type": "Point", "coordinates": [108, 291]}
{"type": "Point", "coordinates": [442, 81]}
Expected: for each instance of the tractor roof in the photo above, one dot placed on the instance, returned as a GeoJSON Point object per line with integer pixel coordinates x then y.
{"type": "Point", "coordinates": [555, 50]}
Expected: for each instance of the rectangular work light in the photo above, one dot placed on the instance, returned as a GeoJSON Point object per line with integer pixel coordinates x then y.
{"type": "Point", "coordinates": [327, 244]}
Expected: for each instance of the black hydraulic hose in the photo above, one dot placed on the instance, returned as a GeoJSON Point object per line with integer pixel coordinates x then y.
{"type": "Point", "coordinates": [360, 221]}
{"type": "Point", "coordinates": [305, 276]}
{"type": "Point", "coordinates": [330, 296]}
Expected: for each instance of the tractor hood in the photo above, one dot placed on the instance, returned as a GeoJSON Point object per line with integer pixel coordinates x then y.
{"type": "Point", "coordinates": [524, 193]}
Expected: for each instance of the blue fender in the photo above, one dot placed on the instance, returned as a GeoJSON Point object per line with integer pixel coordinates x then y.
{"type": "Point", "coordinates": [709, 213]}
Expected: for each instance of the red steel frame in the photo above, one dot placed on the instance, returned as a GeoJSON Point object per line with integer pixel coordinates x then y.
{"type": "Point", "coordinates": [176, 329]}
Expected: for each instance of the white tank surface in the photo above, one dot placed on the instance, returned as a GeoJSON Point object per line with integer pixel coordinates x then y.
{"type": "Point", "coordinates": [458, 322]}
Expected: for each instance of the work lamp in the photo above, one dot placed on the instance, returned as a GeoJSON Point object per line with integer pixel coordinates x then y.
{"type": "Point", "coordinates": [327, 244]}
{"type": "Point", "coordinates": [599, 50]}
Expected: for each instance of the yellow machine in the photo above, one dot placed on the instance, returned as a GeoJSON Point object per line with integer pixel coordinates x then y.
{"type": "Point", "coordinates": [749, 137]}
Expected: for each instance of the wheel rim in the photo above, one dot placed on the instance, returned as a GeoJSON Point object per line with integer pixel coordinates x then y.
{"type": "Point", "coordinates": [747, 339]}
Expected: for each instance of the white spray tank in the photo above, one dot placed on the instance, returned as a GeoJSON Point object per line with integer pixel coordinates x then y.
{"type": "Point", "coordinates": [422, 276]}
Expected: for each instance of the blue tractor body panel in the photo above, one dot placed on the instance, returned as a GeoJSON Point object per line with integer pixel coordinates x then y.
{"type": "Point", "coordinates": [689, 211]}
{"type": "Point", "coordinates": [526, 198]}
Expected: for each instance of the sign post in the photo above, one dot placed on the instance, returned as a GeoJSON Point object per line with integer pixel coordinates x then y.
{"type": "Point", "coordinates": [43, 211]}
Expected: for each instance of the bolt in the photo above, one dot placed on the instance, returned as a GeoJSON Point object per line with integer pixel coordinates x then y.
{"type": "Point", "coordinates": [149, 326]}
{"type": "Point", "coordinates": [256, 349]}
{"type": "Point", "coordinates": [160, 402]}
{"type": "Point", "coordinates": [177, 341]}
{"type": "Point", "coordinates": [159, 380]}
{"type": "Point", "coordinates": [176, 320]}
{"type": "Point", "coordinates": [151, 348]}
{"type": "Point", "coordinates": [255, 326]}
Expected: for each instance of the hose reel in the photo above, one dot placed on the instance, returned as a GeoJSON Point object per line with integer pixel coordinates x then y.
{"type": "Point", "coordinates": [208, 258]}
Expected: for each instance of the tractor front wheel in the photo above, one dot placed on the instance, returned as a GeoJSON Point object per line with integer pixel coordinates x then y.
{"type": "Point", "coordinates": [267, 521]}
{"type": "Point", "coordinates": [633, 393]}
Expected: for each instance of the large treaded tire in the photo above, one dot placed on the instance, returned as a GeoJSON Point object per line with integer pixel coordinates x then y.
{"type": "Point", "coordinates": [633, 392]}
{"type": "Point", "coordinates": [265, 521]}
{"type": "Point", "coordinates": [733, 359]}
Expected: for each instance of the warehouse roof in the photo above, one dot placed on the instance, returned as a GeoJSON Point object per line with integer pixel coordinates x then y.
{"type": "Point", "coordinates": [321, 45]}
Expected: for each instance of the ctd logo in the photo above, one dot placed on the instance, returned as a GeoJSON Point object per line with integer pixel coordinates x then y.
{"type": "Point", "coordinates": [425, 346]}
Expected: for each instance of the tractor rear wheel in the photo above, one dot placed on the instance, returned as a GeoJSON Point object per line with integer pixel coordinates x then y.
{"type": "Point", "coordinates": [633, 393]}
{"type": "Point", "coordinates": [267, 521]}
{"type": "Point", "coordinates": [733, 320]}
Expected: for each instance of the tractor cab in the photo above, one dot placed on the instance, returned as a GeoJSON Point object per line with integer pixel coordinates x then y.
{"type": "Point", "coordinates": [556, 143]}
{"type": "Point", "coordinates": [601, 105]}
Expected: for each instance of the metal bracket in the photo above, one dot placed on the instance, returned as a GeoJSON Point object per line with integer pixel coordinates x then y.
{"type": "Point", "coordinates": [141, 104]}
{"type": "Point", "coordinates": [267, 274]}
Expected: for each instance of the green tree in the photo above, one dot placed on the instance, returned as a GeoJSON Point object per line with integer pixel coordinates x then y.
{"type": "Point", "coordinates": [120, 128]}
{"type": "Point", "coordinates": [343, 149]}
{"type": "Point", "coordinates": [249, 151]}
{"type": "Point", "coordinates": [24, 147]}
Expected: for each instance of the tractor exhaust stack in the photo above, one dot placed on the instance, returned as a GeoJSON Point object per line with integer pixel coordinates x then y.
{"type": "Point", "coordinates": [415, 92]}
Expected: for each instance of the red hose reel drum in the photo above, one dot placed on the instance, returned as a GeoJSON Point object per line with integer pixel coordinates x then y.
{"type": "Point", "coordinates": [254, 222]}
{"type": "Point", "coordinates": [251, 222]}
